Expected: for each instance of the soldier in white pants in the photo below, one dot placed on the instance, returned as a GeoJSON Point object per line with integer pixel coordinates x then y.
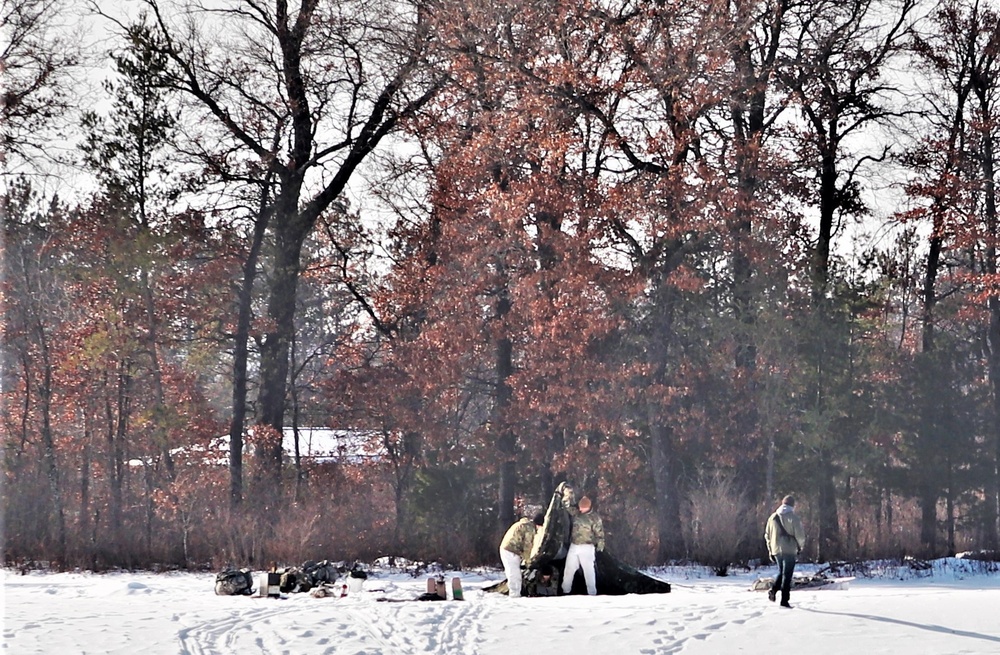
{"type": "Point", "coordinates": [586, 538]}
{"type": "Point", "coordinates": [515, 548]}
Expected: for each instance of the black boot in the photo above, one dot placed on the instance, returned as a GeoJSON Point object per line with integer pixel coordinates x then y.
{"type": "Point", "coordinates": [784, 599]}
{"type": "Point", "coordinates": [772, 595]}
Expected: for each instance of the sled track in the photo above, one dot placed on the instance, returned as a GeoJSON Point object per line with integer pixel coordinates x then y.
{"type": "Point", "coordinates": [459, 631]}
{"type": "Point", "coordinates": [220, 636]}
{"type": "Point", "coordinates": [283, 627]}
{"type": "Point", "coordinates": [426, 626]}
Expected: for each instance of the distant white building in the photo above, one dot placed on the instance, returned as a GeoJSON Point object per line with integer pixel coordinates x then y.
{"type": "Point", "coordinates": [330, 445]}
{"type": "Point", "coordinates": [325, 445]}
{"type": "Point", "coordinates": [316, 445]}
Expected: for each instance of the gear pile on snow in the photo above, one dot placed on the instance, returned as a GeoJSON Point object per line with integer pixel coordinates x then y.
{"type": "Point", "coordinates": [310, 574]}
{"type": "Point", "coordinates": [294, 579]}
{"type": "Point", "coordinates": [234, 583]}
{"type": "Point", "coordinates": [315, 574]}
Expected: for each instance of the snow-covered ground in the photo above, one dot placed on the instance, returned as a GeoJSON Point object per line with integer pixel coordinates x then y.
{"type": "Point", "coordinates": [950, 610]}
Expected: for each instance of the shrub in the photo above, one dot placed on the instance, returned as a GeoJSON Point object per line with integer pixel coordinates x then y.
{"type": "Point", "coordinates": [718, 526]}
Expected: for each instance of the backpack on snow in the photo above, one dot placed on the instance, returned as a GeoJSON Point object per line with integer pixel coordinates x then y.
{"type": "Point", "coordinates": [234, 583]}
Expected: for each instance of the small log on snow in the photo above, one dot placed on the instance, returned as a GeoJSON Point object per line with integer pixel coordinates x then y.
{"type": "Point", "coordinates": [805, 582]}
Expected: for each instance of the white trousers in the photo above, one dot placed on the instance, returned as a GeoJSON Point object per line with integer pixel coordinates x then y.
{"type": "Point", "coordinates": [512, 569]}
{"type": "Point", "coordinates": [580, 555]}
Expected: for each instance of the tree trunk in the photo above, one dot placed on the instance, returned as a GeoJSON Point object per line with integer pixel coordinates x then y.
{"type": "Point", "coordinates": [928, 519]}
{"type": "Point", "coordinates": [48, 446]}
{"type": "Point", "coordinates": [663, 456]}
{"type": "Point", "coordinates": [160, 435]}
{"type": "Point", "coordinates": [829, 523]}
{"type": "Point", "coordinates": [993, 234]}
{"type": "Point", "coordinates": [114, 468]}
{"type": "Point", "coordinates": [829, 526]}
{"type": "Point", "coordinates": [507, 440]}
{"type": "Point", "coordinates": [275, 350]}
{"type": "Point", "coordinates": [950, 507]}
{"type": "Point", "coordinates": [403, 464]}
{"type": "Point", "coordinates": [237, 423]}
{"type": "Point", "coordinates": [828, 206]}
{"type": "Point", "coordinates": [992, 527]}
{"type": "Point", "coordinates": [748, 111]}
{"type": "Point", "coordinates": [668, 518]}
{"type": "Point", "coordinates": [147, 476]}
{"type": "Point", "coordinates": [83, 524]}
{"type": "Point", "coordinates": [930, 285]}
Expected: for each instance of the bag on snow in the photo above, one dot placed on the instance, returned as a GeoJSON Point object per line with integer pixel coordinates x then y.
{"type": "Point", "coordinates": [234, 583]}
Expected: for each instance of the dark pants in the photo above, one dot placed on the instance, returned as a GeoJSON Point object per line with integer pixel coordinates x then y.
{"type": "Point", "coordinates": [783, 581]}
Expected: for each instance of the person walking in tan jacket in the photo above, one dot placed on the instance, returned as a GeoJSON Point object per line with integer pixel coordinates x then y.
{"type": "Point", "coordinates": [785, 538]}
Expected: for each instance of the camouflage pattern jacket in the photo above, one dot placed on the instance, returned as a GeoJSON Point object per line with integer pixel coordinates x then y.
{"type": "Point", "coordinates": [519, 538]}
{"type": "Point", "coordinates": [588, 529]}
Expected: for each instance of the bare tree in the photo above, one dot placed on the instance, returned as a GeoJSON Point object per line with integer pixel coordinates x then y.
{"type": "Point", "coordinates": [30, 324]}
{"type": "Point", "coordinates": [291, 99]}
{"type": "Point", "coordinates": [956, 168]}
{"type": "Point", "coordinates": [839, 82]}
{"type": "Point", "coordinates": [37, 57]}
{"type": "Point", "coordinates": [758, 47]}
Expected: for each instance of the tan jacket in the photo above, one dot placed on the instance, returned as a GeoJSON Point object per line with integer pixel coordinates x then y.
{"type": "Point", "coordinates": [788, 541]}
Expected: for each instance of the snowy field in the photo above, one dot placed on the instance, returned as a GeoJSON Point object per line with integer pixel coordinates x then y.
{"type": "Point", "coordinates": [950, 610]}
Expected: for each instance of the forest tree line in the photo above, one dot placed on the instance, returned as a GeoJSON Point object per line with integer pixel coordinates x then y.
{"type": "Point", "coordinates": [689, 256]}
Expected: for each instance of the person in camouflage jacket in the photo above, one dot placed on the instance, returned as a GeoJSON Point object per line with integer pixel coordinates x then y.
{"type": "Point", "coordinates": [586, 539]}
{"type": "Point", "coordinates": [515, 547]}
